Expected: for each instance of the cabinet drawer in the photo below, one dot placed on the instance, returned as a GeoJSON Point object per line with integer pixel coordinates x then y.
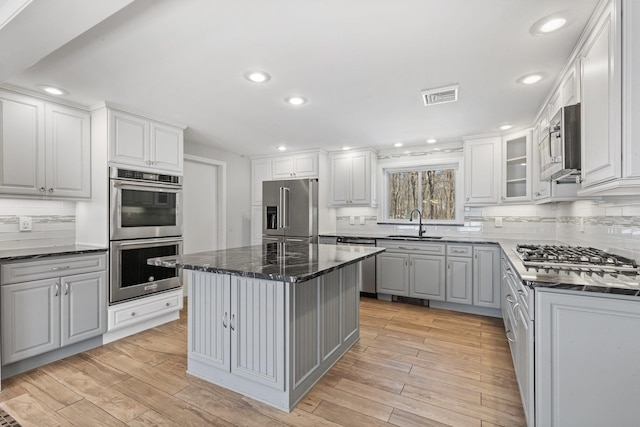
{"type": "Point", "coordinates": [138, 311]}
{"type": "Point", "coordinates": [45, 268]}
{"type": "Point", "coordinates": [460, 250]}
{"type": "Point", "coordinates": [413, 247]}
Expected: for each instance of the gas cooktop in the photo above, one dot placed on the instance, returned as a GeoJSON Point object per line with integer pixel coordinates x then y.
{"type": "Point", "coordinates": [575, 258]}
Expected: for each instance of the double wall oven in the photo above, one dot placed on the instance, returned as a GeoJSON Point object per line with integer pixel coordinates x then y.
{"type": "Point", "coordinates": [145, 222]}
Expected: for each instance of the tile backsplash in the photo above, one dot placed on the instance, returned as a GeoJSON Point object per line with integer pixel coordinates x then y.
{"type": "Point", "coordinates": [609, 225]}
{"type": "Point", "coordinates": [54, 223]}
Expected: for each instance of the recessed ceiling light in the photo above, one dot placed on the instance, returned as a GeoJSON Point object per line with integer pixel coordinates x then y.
{"type": "Point", "coordinates": [398, 144]}
{"type": "Point", "coordinates": [530, 79]}
{"type": "Point", "coordinates": [282, 148]}
{"type": "Point", "coordinates": [257, 76]}
{"type": "Point", "coordinates": [296, 100]}
{"type": "Point", "coordinates": [548, 24]}
{"type": "Point", "coordinates": [52, 90]}
{"type": "Point", "coordinates": [431, 141]}
{"type": "Point", "coordinates": [505, 127]}
{"type": "Point", "coordinates": [345, 148]}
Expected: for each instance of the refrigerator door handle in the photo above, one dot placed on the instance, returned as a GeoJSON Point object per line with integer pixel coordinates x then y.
{"type": "Point", "coordinates": [280, 203]}
{"type": "Point", "coordinates": [285, 206]}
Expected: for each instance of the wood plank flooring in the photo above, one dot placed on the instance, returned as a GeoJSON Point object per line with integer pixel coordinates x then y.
{"type": "Point", "coordinates": [413, 366]}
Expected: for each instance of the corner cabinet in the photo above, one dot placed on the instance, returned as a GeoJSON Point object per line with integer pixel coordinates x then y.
{"type": "Point", "coordinates": [43, 310]}
{"type": "Point", "coordinates": [144, 143]}
{"type": "Point", "coordinates": [482, 170]}
{"type": "Point", "coordinates": [45, 147]}
{"type": "Point", "coordinates": [353, 178]}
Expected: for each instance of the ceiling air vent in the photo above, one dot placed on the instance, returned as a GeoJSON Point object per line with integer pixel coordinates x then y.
{"type": "Point", "coordinates": [440, 95]}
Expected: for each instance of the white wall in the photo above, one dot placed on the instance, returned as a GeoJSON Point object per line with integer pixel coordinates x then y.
{"type": "Point", "coordinates": [238, 191]}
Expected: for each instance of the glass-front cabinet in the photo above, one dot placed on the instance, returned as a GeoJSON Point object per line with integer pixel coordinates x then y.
{"type": "Point", "coordinates": [516, 155]}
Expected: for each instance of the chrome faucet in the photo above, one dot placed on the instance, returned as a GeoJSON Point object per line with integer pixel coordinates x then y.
{"type": "Point", "coordinates": [420, 230]}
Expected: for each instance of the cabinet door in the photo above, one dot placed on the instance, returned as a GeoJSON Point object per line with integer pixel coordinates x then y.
{"type": "Point", "coordinates": [84, 306]}
{"type": "Point", "coordinates": [516, 167]}
{"type": "Point", "coordinates": [392, 274]}
{"type": "Point", "coordinates": [459, 280]}
{"type": "Point", "coordinates": [601, 103]}
{"type": "Point", "coordinates": [128, 139]}
{"type": "Point", "coordinates": [305, 165]}
{"type": "Point", "coordinates": [30, 319]}
{"type": "Point", "coordinates": [350, 283]}
{"type": "Point", "coordinates": [260, 171]}
{"type": "Point", "coordinates": [22, 145]}
{"type": "Point", "coordinates": [257, 331]}
{"type": "Point", "coordinates": [68, 152]}
{"type": "Point", "coordinates": [340, 180]}
{"type": "Point", "coordinates": [360, 179]}
{"type": "Point", "coordinates": [282, 167]}
{"type": "Point", "coordinates": [486, 276]}
{"type": "Point", "coordinates": [427, 277]}
{"type": "Point", "coordinates": [209, 308]}
{"type": "Point", "coordinates": [586, 360]}
{"type": "Point", "coordinates": [167, 148]}
{"type": "Point", "coordinates": [481, 171]}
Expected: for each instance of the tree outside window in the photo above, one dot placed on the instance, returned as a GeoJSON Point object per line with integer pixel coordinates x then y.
{"type": "Point", "coordinates": [433, 191]}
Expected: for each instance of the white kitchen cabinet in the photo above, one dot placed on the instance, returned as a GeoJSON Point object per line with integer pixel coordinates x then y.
{"type": "Point", "coordinates": [392, 273]}
{"type": "Point", "coordinates": [53, 311]}
{"type": "Point", "coordinates": [353, 178]}
{"type": "Point", "coordinates": [524, 361]}
{"type": "Point", "coordinates": [45, 148]}
{"type": "Point", "coordinates": [136, 141]}
{"type": "Point", "coordinates": [516, 167]}
{"type": "Point", "coordinates": [260, 171]}
{"type": "Point", "coordinates": [486, 276]}
{"type": "Point", "coordinates": [586, 359]}
{"type": "Point", "coordinates": [601, 100]}
{"type": "Point", "coordinates": [427, 277]}
{"type": "Point", "coordinates": [297, 166]}
{"type": "Point", "coordinates": [460, 280]}
{"type": "Point", "coordinates": [482, 170]}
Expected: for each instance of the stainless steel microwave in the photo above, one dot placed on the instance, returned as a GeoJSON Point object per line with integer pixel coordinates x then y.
{"type": "Point", "coordinates": [560, 147]}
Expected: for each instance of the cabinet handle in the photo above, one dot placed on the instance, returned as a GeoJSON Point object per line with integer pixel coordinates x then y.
{"type": "Point", "coordinates": [520, 292]}
{"type": "Point", "coordinates": [501, 198]}
{"type": "Point", "coordinates": [57, 292]}
{"type": "Point", "coordinates": [509, 339]}
{"type": "Point", "coordinates": [232, 324]}
{"type": "Point", "coordinates": [509, 300]}
{"type": "Point", "coordinates": [224, 319]}
{"type": "Point", "coordinates": [66, 288]}
{"type": "Point", "coordinates": [66, 267]}
{"type": "Point", "coordinates": [41, 189]}
{"type": "Point", "coordinates": [449, 265]}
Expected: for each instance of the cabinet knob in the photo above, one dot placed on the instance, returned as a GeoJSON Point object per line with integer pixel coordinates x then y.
{"type": "Point", "coordinates": [51, 190]}
{"type": "Point", "coordinates": [133, 314]}
{"type": "Point", "coordinates": [467, 199]}
{"type": "Point", "coordinates": [41, 189]}
{"type": "Point", "coordinates": [502, 198]}
{"type": "Point", "coordinates": [167, 304]}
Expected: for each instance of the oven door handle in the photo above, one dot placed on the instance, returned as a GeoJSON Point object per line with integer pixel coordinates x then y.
{"type": "Point", "coordinates": [148, 242]}
{"type": "Point", "coordinates": [125, 185]}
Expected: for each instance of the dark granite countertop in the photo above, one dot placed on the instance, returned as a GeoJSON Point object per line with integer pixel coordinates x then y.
{"type": "Point", "coordinates": [293, 262]}
{"type": "Point", "coordinates": [47, 251]}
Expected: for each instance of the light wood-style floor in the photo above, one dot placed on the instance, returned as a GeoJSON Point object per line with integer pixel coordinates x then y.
{"type": "Point", "coordinates": [413, 366]}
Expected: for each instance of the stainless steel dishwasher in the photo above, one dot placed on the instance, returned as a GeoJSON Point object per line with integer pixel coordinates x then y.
{"type": "Point", "coordinates": [368, 283]}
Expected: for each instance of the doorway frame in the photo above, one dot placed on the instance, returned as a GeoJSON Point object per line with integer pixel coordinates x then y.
{"type": "Point", "coordinates": [222, 195]}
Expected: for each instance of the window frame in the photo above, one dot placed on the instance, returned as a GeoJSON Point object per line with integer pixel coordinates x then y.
{"type": "Point", "coordinates": [419, 166]}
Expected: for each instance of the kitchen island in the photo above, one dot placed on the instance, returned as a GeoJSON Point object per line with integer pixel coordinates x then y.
{"type": "Point", "coordinates": [268, 321]}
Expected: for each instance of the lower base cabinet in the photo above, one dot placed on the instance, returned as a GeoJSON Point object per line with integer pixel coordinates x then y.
{"type": "Point", "coordinates": [39, 316]}
{"type": "Point", "coordinates": [586, 360]}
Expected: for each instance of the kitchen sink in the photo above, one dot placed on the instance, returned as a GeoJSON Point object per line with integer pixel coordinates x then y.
{"type": "Point", "coordinates": [414, 237]}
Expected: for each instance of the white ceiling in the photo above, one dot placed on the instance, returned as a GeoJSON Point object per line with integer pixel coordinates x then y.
{"type": "Point", "coordinates": [361, 64]}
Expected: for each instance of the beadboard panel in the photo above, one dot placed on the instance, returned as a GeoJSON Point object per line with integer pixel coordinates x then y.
{"type": "Point", "coordinates": [209, 302]}
{"type": "Point", "coordinates": [331, 314]}
{"type": "Point", "coordinates": [257, 324]}
{"type": "Point", "coordinates": [305, 329]}
{"type": "Point", "coordinates": [351, 276]}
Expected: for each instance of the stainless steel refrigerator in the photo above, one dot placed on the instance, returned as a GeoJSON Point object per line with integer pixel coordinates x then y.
{"type": "Point", "coordinates": [290, 210]}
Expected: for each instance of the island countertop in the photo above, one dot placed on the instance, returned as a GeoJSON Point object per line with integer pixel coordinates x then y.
{"type": "Point", "coordinates": [288, 262]}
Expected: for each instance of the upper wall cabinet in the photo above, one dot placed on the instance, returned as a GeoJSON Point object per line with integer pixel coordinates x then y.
{"type": "Point", "coordinates": [353, 177]}
{"type": "Point", "coordinates": [46, 148]}
{"type": "Point", "coordinates": [481, 170]}
{"type": "Point", "coordinates": [144, 143]}
{"type": "Point", "coordinates": [516, 167]}
{"type": "Point", "coordinates": [610, 61]}
{"type": "Point", "coordinates": [296, 166]}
